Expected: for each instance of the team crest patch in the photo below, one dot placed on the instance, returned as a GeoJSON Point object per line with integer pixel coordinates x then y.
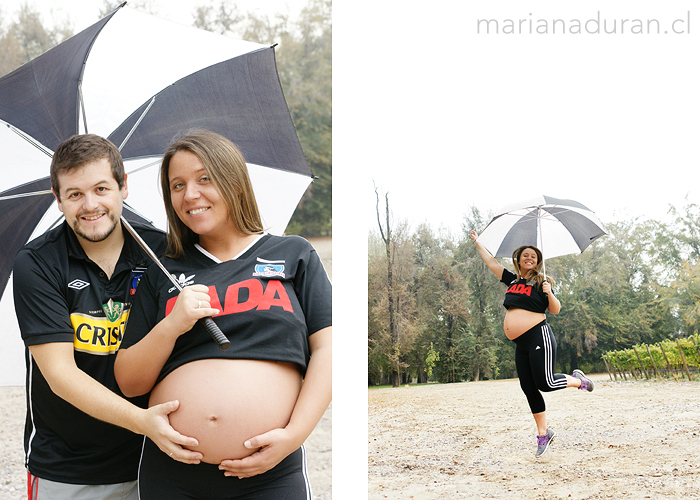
{"type": "Point", "coordinates": [136, 275]}
{"type": "Point", "coordinates": [269, 270]}
{"type": "Point", "coordinates": [113, 310]}
{"type": "Point", "coordinates": [135, 278]}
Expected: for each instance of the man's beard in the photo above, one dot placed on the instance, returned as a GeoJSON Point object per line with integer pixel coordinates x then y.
{"type": "Point", "coordinates": [96, 238]}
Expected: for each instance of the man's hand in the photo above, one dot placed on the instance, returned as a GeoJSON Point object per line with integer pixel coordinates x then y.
{"type": "Point", "coordinates": [170, 442]}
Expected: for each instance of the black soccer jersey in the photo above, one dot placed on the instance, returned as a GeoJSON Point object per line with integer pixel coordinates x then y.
{"type": "Point", "coordinates": [62, 296]}
{"type": "Point", "coordinates": [271, 297]}
{"type": "Point", "coordinates": [523, 294]}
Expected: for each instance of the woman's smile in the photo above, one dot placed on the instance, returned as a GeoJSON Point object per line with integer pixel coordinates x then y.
{"type": "Point", "coordinates": [196, 211]}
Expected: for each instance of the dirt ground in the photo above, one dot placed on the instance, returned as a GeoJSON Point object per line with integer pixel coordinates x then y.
{"type": "Point", "coordinates": [625, 440]}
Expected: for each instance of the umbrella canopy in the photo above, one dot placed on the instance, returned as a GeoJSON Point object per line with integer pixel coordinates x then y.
{"type": "Point", "coordinates": [555, 226]}
{"type": "Point", "coordinates": [139, 81]}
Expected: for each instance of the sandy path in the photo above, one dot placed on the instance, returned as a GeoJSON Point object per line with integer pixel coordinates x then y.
{"type": "Point", "coordinates": [476, 440]}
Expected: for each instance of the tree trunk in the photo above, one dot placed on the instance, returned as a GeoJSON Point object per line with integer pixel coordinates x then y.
{"type": "Point", "coordinates": [573, 359]}
{"type": "Point", "coordinates": [393, 327]}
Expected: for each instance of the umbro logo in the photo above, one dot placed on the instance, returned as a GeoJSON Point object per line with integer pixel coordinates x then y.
{"type": "Point", "coordinates": [78, 284]}
{"type": "Point", "coordinates": [538, 347]}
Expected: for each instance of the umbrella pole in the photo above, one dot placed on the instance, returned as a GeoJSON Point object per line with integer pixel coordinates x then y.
{"type": "Point", "coordinates": [539, 229]}
{"type": "Point", "coordinates": [544, 269]}
{"type": "Point", "coordinates": [209, 324]}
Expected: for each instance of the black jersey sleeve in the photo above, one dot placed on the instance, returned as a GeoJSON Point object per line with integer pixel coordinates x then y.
{"type": "Point", "coordinates": [314, 291]}
{"type": "Point", "coordinates": [40, 302]}
{"type": "Point", "coordinates": [507, 277]}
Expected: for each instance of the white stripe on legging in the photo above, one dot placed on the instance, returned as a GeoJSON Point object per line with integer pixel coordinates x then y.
{"type": "Point", "coordinates": [548, 359]}
{"type": "Point", "coordinates": [305, 472]}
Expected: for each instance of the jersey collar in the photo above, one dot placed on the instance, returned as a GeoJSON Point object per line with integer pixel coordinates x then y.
{"type": "Point", "coordinates": [216, 259]}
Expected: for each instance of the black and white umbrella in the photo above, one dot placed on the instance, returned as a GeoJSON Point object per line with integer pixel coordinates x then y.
{"type": "Point", "coordinates": [555, 226]}
{"type": "Point", "coordinates": [139, 81]}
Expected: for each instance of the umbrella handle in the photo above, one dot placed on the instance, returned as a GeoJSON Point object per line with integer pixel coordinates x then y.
{"type": "Point", "coordinates": [209, 324]}
{"type": "Point", "coordinates": [216, 333]}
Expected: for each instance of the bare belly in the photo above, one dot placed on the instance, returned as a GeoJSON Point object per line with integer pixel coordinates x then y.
{"type": "Point", "coordinates": [224, 402]}
{"type": "Point", "coordinates": [518, 321]}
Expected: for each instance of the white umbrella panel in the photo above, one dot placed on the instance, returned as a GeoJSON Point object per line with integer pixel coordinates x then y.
{"type": "Point", "coordinates": [139, 81]}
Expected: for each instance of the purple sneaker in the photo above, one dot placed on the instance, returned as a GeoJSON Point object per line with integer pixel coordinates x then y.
{"type": "Point", "coordinates": [586, 383]}
{"type": "Point", "coordinates": [543, 443]}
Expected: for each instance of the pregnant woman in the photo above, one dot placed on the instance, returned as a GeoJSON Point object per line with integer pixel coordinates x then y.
{"type": "Point", "coordinates": [252, 406]}
{"type": "Point", "coordinates": [528, 296]}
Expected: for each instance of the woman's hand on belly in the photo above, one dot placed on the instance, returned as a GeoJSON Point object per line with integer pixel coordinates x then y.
{"type": "Point", "coordinates": [272, 446]}
{"type": "Point", "coordinates": [315, 396]}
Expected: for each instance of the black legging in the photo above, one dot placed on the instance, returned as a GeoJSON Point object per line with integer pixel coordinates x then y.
{"type": "Point", "coordinates": [535, 356]}
{"type": "Point", "coordinates": [162, 478]}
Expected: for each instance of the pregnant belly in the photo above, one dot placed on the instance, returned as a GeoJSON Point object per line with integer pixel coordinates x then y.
{"type": "Point", "coordinates": [518, 321]}
{"type": "Point", "coordinates": [224, 402]}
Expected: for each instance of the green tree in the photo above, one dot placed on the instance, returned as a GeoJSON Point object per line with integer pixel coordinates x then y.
{"type": "Point", "coordinates": [305, 70]}
{"type": "Point", "coordinates": [26, 37]}
{"type": "Point", "coordinates": [677, 245]}
{"type": "Point", "coordinates": [612, 295]}
{"type": "Point", "coordinates": [686, 297]}
{"type": "Point", "coordinates": [484, 333]}
{"type": "Point", "coordinates": [11, 56]}
{"type": "Point", "coordinates": [378, 364]}
{"type": "Point", "coordinates": [393, 307]}
{"type": "Point", "coordinates": [430, 360]}
{"type": "Point", "coordinates": [389, 346]}
{"type": "Point", "coordinates": [440, 293]}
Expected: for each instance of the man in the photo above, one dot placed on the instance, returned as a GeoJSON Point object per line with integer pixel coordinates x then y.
{"type": "Point", "coordinates": [72, 290]}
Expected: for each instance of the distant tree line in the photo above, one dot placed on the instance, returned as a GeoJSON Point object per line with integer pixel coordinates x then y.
{"type": "Point", "coordinates": [303, 62]}
{"type": "Point", "coordinates": [638, 284]}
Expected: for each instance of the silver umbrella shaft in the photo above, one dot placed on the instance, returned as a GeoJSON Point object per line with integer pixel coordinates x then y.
{"type": "Point", "coordinates": [209, 324]}
{"type": "Point", "coordinates": [539, 229]}
{"type": "Point", "coordinates": [150, 253]}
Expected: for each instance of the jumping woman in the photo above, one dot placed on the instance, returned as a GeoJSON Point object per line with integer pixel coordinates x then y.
{"type": "Point", "coordinates": [528, 296]}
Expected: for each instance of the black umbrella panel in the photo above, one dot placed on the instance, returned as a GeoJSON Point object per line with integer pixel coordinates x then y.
{"type": "Point", "coordinates": [140, 81]}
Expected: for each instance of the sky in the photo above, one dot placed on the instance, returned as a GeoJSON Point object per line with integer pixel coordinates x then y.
{"type": "Point", "coordinates": [462, 118]}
